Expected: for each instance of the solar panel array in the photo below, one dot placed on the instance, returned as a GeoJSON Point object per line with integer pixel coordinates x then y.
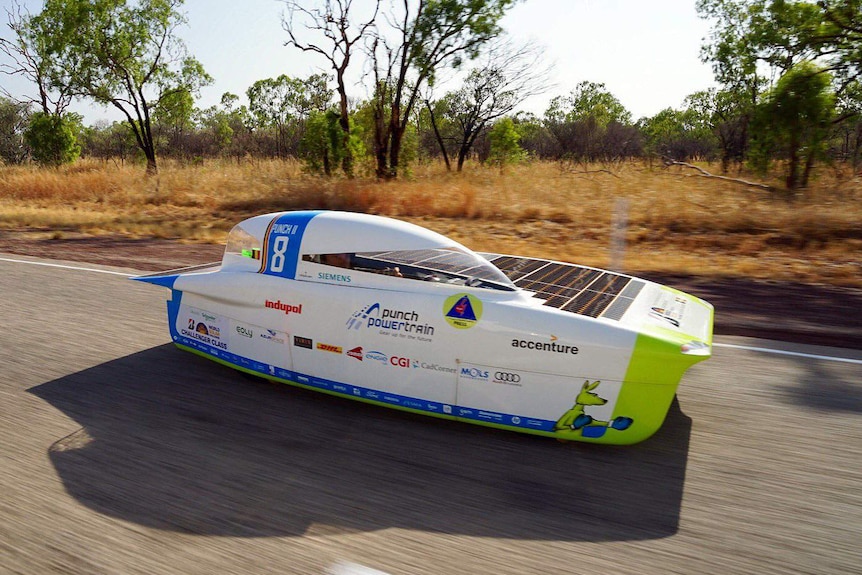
{"type": "Point", "coordinates": [571, 288]}
{"type": "Point", "coordinates": [439, 259]}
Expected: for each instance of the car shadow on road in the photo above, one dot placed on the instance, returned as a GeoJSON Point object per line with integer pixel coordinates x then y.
{"type": "Point", "coordinates": [172, 441]}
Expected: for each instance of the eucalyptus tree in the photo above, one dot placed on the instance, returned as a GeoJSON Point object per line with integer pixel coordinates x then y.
{"type": "Point", "coordinates": [421, 39]}
{"type": "Point", "coordinates": [508, 75]}
{"type": "Point", "coordinates": [52, 133]}
{"type": "Point", "coordinates": [285, 103]}
{"type": "Point", "coordinates": [590, 124]}
{"type": "Point", "coordinates": [330, 31]}
{"type": "Point", "coordinates": [14, 118]}
{"type": "Point", "coordinates": [27, 58]}
{"type": "Point", "coordinates": [118, 53]}
{"type": "Point", "coordinates": [794, 121]}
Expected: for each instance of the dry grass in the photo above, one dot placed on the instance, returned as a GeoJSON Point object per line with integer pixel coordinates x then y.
{"type": "Point", "coordinates": [678, 222]}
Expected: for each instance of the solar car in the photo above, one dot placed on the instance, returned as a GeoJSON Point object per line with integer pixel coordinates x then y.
{"type": "Point", "coordinates": [382, 311]}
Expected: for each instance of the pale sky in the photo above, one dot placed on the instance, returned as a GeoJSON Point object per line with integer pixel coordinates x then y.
{"type": "Point", "coordinates": [645, 52]}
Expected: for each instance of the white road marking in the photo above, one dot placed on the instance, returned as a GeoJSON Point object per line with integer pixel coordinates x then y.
{"type": "Point", "coordinates": [65, 267]}
{"type": "Point", "coordinates": [348, 568]}
{"type": "Point", "coordinates": [726, 345]}
{"type": "Point", "coordinates": [792, 353]}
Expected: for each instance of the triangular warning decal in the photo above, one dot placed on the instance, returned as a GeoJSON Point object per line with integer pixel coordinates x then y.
{"type": "Point", "coordinates": [462, 309]}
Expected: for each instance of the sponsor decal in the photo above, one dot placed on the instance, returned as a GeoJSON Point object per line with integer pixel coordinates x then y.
{"type": "Point", "coordinates": [356, 353]}
{"type": "Point", "coordinates": [202, 336]}
{"type": "Point", "coordinates": [377, 356]}
{"type": "Point", "coordinates": [333, 277]}
{"type": "Point", "coordinates": [300, 341]}
{"type": "Point", "coordinates": [583, 419]}
{"type": "Point", "coordinates": [434, 367]}
{"type": "Point", "coordinates": [285, 307]}
{"type": "Point", "coordinates": [666, 314]}
{"type": "Point", "coordinates": [388, 320]}
{"type": "Point", "coordinates": [272, 335]}
{"type": "Point", "coordinates": [507, 378]}
{"type": "Point", "coordinates": [462, 311]}
{"type": "Point", "coordinates": [668, 307]}
{"type": "Point", "coordinates": [203, 328]}
{"type": "Point", "coordinates": [551, 346]}
{"type": "Point", "coordinates": [474, 373]}
{"type": "Point", "coordinates": [399, 361]}
{"type": "Point", "coordinates": [244, 331]}
{"type": "Point", "coordinates": [329, 348]}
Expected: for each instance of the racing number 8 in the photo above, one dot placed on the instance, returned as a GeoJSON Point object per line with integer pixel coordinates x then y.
{"type": "Point", "coordinates": [279, 246]}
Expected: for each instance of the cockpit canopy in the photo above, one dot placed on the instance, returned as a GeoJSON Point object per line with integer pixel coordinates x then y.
{"type": "Point", "coordinates": [345, 247]}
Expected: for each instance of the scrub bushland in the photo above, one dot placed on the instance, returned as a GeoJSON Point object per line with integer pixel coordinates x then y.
{"type": "Point", "coordinates": [673, 219]}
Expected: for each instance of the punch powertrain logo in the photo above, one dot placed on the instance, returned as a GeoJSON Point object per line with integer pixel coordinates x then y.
{"type": "Point", "coordinates": [329, 348]}
{"type": "Point", "coordinates": [462, 311]}
{"type": "Point", "coordinates": [374, 316]}
{"type": "Point", "coordinates": [356, 353]}
{"type": "Point", "coordinates": [285, 307]}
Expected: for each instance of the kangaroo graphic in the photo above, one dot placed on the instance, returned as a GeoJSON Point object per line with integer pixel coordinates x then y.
{"type": "Point", "coordinates": [576, 420]}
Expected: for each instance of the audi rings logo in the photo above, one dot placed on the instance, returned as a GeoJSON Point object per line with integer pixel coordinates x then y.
{"type": "Point", "coordinates": [507, 376]}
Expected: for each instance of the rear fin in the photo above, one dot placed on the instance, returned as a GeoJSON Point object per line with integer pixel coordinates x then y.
{"type": "Point", "coordinates": [168, 277]}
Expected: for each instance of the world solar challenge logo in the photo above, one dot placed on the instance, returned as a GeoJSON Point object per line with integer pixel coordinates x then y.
{"type": "Point", "coordinates": [462, 311]}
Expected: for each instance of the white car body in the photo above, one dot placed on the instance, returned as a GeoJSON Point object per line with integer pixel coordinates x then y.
{"type": "Point", "coordinates": [421, 323]}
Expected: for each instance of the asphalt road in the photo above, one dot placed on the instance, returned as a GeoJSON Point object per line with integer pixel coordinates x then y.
{"type": "Point", "coordinates": [121, 454]}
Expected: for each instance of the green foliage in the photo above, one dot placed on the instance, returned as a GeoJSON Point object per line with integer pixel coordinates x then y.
{"type": "Point", "coordinates": [14, 117]}
{"type": "Point", "coordinates": [52, 139]}
{"type": "Point", "coordinates": [588, 101]}
{"type": "Point", "coordinates": [115, 140]}
{"type": "Point", "coordinates": [794, 121]}
{"type": "Point", "coordinates": [119, 53]}
{"type": "Point", "coordinates": [752, 34]}
{"type": "Point", "coordinates": [323, 147]}
{"type": "Point", "coordinates": [505, 148]}
{"type": "Point", "coordinates": [275, 101]}
{"type": "Point", "coordinates": [175, 109]}
{"type": "Point", "coordinates": [284, 104]}
{"type": "Point", "coordinates": [441, 33]}
{"type": "Point", "coordinates": [449, 30]}
{"type": "Point", "coordinates": [682, 134]}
